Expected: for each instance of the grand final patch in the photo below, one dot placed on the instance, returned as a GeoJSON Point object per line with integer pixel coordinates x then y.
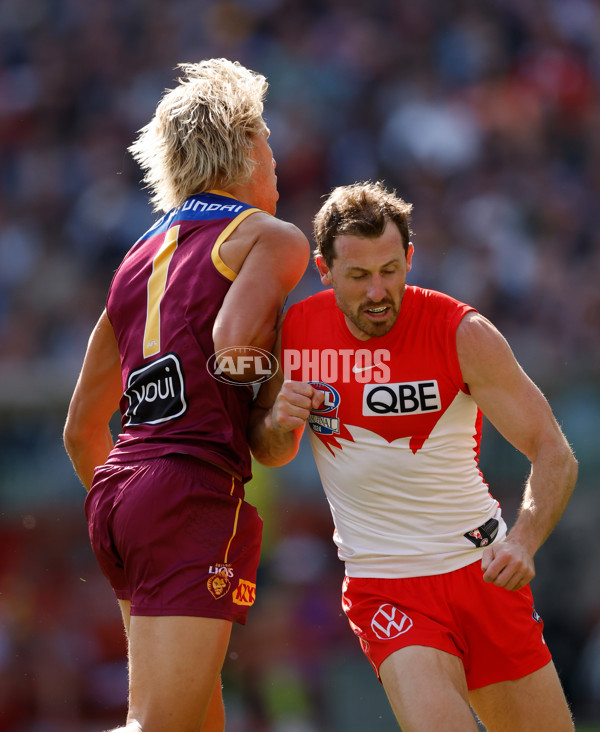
{"type": "Point", "coordinates": [324, 420]}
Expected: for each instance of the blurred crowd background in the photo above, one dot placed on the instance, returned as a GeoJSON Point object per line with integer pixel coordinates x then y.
{"type": "Point", "coordinates": [484, 115]}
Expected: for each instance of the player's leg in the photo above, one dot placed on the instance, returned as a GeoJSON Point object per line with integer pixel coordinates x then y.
{"type": "Point", "coordinates": [175, 660]}
{"type": "Point", "coordinates": [427, 690]}
{"type": "Point", "coordinates": [174, 667]}
{"type": "Point", "coordinates": [534, 703]}
{"type": "Point", "coordinates": [125, 607]}
{"type": "Point", "coordinates": [215, 717]}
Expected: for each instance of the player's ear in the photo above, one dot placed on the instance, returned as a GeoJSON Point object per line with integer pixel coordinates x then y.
{"type": "Point", "coordinates": [409, 256]}
{"type": "Point", "coordinates": [324, 270]}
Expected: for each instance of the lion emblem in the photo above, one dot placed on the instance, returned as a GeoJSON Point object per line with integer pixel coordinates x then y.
{"type": "Point", "coordinates": [218, 584]}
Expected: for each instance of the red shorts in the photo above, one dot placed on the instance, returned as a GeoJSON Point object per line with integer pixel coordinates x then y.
{"type": "Point", "coordinates": [495, 632]}
{"type": "Point", "coordinates": [175, 536]}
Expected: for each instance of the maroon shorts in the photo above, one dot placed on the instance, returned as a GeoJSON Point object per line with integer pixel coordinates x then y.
{"type": "Point", "coordinates": [495, 632]}
{"type": "Point", "coordinates": [175, 536]}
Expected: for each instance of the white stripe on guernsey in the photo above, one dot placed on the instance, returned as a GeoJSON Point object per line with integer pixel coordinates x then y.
{"type": "Point", "coordinates": [402, 514]}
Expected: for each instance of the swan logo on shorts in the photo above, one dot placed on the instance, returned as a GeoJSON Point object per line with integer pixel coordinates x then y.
{"type": "Point", "coordinates": [218, 584]}
{"type": "Point", "coordinates": [324, 420]}
{"type": "Point", "coordinates": [389, 622]}
{"type": "Point", "coordinates": [245, 593]}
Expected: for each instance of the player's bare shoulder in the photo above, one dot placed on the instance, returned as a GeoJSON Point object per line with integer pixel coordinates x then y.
{"type": "Point", "coordinates": [476, 331]}
{"type": "Point", "coordinates": [269, 237]}
{"type": "Point", "coordinates": [481, 348]}
{"type": "Point", "coordinates": [283, 247]}
{"type": "Point", "coordinates": [270, 230]}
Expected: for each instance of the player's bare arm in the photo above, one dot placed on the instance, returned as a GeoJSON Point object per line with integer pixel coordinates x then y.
{"type": "Point", "coordinates": [269, 266]}
{"type": "Point", "coordinates": [521, 413]}
{"type": "Point", "coordinates": [96, 397]}
{"type": "Point", "coordinates": [278, 417]}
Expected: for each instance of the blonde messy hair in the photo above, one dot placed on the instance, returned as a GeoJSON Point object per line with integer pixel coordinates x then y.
{"type": "Point", "coordinates": [200, 137]}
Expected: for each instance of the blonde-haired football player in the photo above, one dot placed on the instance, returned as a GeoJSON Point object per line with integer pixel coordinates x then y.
{"type": "Point", "coordinates": [167, 516]}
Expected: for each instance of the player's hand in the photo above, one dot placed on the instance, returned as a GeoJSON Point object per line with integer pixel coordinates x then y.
{"type": "Point", "coordinates": [507, 564]}
{"type": "Point", "coordinates": [293, 404]}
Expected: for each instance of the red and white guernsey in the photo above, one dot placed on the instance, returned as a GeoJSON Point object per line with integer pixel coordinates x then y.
{"type": "Point", "coordinates": [396, 441]}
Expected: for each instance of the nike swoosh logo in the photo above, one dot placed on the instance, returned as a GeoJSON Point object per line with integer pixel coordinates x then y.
{"type": "Point", "coordinates": [356, 370]}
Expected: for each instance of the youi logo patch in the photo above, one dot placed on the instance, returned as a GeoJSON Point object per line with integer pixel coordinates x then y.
{"type": "Point", "coordinates": [156, 392]}
{"type": "Point", "coordinates": [324, 420]}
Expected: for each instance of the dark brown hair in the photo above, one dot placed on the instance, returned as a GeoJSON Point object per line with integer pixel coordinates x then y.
{"type": "Point", "coordinates": [360, 209]}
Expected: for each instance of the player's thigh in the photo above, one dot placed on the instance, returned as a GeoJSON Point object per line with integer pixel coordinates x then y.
{"type": "Point", "coordinates": [174, 666]}
{"type": "Point", "coordinates": [427, 690]}
{"type": "Point", "coordinates": [534, 703]}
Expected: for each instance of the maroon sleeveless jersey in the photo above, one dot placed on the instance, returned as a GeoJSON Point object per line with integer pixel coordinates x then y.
{"type": "Point", "coordinates": [162, 304]}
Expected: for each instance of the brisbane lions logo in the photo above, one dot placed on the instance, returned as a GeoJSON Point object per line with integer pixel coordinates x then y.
{"type": "Point", "coordinates": [218, 584]}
